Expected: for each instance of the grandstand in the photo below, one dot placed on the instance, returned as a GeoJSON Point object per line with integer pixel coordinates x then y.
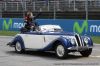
{"type": "Point", "coordinates": [63, 8]}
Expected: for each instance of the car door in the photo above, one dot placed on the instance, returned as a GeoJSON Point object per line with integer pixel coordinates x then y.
{"type": "Point", "coordinates": [49, 39]}
{"type": "Point", "coordinates": [34, 41]}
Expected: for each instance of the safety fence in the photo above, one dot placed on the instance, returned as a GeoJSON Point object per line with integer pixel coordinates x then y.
{"type": "Point", "coordinates": [50, 5]}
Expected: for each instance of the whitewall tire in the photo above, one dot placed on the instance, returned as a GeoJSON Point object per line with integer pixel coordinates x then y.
{"type": "Point", "coordinates": [18, 48]}
{"type": "Point", "coordinates": [61, 52]}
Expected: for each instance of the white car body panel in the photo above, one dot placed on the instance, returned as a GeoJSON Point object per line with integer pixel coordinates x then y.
{"type": "Point", "coordinates": [33, 41]}
{"type": "Point", "coordinates": [49, 39]}
{"type": "Point", "coordinates": [37, 41]}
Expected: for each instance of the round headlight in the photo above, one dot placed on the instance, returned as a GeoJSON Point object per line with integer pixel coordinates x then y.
{"type": "Point", "coordinates": [86, 40]}
{"type": "Point", "coordinates": [73, 41]}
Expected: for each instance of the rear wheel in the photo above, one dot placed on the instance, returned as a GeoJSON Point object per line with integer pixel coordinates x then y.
{"type": "Point", "coordinates": [61, 52]}
{"type": "Point", "coordinates": [18, 48]}
{"type": "Point", "coordinates": [86, 53]}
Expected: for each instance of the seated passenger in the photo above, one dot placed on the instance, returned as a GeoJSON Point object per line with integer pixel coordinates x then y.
{"type": "Point", "coordinates": [30, 23]}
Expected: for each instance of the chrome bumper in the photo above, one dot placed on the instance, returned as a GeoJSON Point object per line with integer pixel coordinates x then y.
{"type": "Point", "coordinates": [79, 48]}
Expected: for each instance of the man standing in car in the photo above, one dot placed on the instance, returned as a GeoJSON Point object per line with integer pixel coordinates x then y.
{"type": "Point", "coordinates": [30, 22]}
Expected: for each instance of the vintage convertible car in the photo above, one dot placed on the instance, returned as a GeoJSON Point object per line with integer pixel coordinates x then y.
{"type": "Point", "coordinates": [52, 38]}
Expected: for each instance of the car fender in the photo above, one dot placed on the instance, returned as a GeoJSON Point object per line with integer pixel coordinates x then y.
{"type": "Point", "coordinates": [90, 40]}
{"type": "Point", "coordinates": [52, 45]}
{"type": "Point", "coordinates": [19, 39]}
{"type": "Point", "coordinates": [64, 41]}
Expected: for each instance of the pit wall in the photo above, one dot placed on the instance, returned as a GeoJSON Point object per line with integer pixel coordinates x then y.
{"type": "Point", "coordinates": [89, 27]}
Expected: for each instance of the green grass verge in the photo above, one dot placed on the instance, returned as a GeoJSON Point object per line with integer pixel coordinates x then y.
{"type": "Point", "coordinates": [96, 39]}
{"type": "Point", "coordinates": [8, 33]}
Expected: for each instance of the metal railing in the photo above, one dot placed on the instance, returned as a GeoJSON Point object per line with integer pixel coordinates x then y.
{"type": "Point", "coordinates": [49, 6]}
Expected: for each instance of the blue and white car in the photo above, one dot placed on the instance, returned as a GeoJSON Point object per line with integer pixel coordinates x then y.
{"type": "Point", "coordinates": [52, 38]}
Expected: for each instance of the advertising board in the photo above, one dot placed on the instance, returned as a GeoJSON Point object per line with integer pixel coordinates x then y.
{"type": "Point", "coordinates": [91, 27]}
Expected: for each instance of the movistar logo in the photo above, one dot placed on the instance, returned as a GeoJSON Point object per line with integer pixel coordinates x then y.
{"type": "Point", "coordinates": [7, 24]}
{"type": "Point", "coordinates": [79, 29]}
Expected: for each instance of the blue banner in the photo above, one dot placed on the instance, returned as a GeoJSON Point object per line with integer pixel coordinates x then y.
{"type": "Point", "coordinates": [90, 27]}
{"type": "Point", "coordinates": [11, 24]}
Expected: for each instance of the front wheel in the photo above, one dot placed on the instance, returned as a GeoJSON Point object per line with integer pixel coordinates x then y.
{"type": "Point", "coordinates": [86, 53]}
{"type": "Point", "coordinates": [18, 48]}
{"type": "Point", "coordinates": [61, 52]}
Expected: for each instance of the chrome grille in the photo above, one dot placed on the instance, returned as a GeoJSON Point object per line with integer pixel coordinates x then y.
{"type": "Point", "coordinates": [79, 40]}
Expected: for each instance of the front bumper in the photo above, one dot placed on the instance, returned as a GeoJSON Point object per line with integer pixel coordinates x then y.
{"type": "Point", "coordinates": [79, 48]}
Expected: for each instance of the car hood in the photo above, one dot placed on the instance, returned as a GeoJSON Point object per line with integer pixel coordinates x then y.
{"type": "Point", "coordinates": [60, 33]}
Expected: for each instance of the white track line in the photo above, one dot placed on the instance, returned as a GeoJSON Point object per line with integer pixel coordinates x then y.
{"type": "Point", "coordinates": [95, 56]}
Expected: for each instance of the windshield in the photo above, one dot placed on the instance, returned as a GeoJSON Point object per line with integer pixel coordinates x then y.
{"type": "Point", "coordinates": [51, 28]}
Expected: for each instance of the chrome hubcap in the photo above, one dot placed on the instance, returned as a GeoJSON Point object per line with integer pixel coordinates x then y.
{"type": "Point", "coordinates": [18, 46]}
{"type": "Point", "coordinates": [60, 50]}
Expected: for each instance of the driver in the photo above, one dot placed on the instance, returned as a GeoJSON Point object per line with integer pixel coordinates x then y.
{"type": "Point", "coordinates": [29, 21]}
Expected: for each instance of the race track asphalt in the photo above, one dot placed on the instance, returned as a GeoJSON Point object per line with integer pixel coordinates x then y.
{"type": "Point", "coordinates": [8, 57]}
